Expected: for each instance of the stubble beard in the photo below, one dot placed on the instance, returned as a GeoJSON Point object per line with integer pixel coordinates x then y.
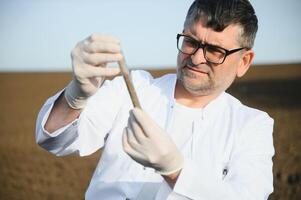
{"type": "Point", "coordinates": [194, 84]}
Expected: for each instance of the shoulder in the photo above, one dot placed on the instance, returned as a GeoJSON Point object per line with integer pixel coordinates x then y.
{"type": "Point", "coordinates": [244, 113]}
{"type": "Point", "coordinates": [142, 80]}
{"type": "Point", "coordinates": [254, 127]}
{"type": "Point", "coordinates": [165, 79]}
{"type": "Point", "coordinates": [141, 76]}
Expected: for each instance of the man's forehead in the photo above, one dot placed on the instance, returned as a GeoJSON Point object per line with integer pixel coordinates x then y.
{"type": "Point", "coordinates": [202, 32]}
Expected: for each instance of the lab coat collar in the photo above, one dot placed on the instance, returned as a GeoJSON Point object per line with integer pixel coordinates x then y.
{"type": "Point", "coordinates": [210, 110]}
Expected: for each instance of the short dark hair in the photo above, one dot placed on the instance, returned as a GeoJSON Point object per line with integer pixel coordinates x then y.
{"type": "Point", "coordinates": [218, 14]}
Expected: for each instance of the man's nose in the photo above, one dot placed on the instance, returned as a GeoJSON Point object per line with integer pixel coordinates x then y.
{"type": "Point", "coordinates": [198, 57]}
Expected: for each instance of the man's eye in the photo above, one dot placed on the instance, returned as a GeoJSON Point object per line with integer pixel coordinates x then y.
{"type": "Point", "coordinates": [213, 49]}
{"type": "Point", "coordinates": [190, 42]}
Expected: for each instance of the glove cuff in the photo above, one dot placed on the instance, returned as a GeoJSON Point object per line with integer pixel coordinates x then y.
{"type": "Point", "coordinates": [73, 97]}
{"type": "Point", "coordinates": [178, 164]}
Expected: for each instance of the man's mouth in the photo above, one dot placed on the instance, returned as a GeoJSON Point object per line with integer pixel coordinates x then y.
{"type": "Point", "coordinates": [195, 69]}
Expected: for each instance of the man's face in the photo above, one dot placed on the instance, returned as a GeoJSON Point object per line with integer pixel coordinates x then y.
{"type": "Point", "coordinates": [200, 77]}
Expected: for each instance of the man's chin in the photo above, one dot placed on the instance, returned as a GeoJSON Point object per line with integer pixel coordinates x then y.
{"type": "Point", "coordinates": [194, 87]}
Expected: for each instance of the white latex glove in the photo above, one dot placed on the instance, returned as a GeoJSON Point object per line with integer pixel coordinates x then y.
{"type": "Point", "coordinates": [149, 145]}
{"type": "Point", "coordinates": [89, 61]}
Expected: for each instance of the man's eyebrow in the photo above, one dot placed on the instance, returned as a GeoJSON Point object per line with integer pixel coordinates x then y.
{"type": "Point", "coordinates": [192, 33]}
{"type": "Point", "coordinates": [192, 36]}
{"type": "Point", "coordinates": [198, 40]}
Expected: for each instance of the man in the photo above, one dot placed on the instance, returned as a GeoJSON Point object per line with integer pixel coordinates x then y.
{"type": "Point", "coordinates": [190, 140]}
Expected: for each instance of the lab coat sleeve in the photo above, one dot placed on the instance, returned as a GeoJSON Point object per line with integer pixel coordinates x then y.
{"type": "Point", "coordinates": [86, 134]}
{"type": "Point", "coordinates": [249, 174]}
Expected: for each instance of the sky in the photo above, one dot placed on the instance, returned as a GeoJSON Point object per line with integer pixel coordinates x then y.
{"type": "Point", "coordinates": [38, 35]}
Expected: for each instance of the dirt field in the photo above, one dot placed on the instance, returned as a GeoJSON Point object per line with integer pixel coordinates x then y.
{"type": "Point", "coordinates": [29, 172]}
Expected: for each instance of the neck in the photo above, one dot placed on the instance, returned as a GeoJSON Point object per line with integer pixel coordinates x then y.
{"type": "Point", "coordinates": [188, 99]}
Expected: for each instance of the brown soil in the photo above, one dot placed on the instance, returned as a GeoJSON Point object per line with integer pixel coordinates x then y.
{"type": "Point", "coordinates": [29, 172]}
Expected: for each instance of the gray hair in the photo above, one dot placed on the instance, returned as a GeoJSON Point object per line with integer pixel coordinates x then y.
{"type": "Point", "coordinates": [218, 14]}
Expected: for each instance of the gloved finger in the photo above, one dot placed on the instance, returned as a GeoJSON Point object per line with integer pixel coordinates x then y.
{"type": "Point", "coordinates": [91, 71]}
{"type": "Point", "coordinates": [125, 144]}
{"type": "Point", "coordinates": [133, 130]}
{"type": "Point", "coordinates": [100, 58]}
{"type": "Point", "coordinates": [101, 37]}
{"type": "Point", "coordinates": [144, 121]}
{"type": "Point", "coordinates": [128, 147]}
{"type": "Point", "coordinates": [131, 138]}
{"type": "Point", "coordinates": [101, 47]}
{"type": "Point", "coordinates": [137, 130]}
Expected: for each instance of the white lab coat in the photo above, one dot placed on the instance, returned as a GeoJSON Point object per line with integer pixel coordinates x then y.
{"type": "Point", "coordinates": [229, 156]}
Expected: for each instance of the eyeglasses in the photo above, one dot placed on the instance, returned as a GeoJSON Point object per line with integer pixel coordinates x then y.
{"type": "Point", "coordinates": [213, 54]}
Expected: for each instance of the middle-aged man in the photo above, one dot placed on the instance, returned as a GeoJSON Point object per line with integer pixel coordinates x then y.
{"type": "Point", "coordinates": [190, 140]}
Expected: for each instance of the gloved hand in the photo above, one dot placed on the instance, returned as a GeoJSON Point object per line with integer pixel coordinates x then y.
{"type": "Point", "coordinates": [89, 61]}
{"type": "Point", "coordinates": [149, 145]}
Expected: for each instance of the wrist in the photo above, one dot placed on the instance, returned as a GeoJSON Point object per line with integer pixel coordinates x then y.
{"type": "Point", "coordinates": [171, 179]}
{"type": "Point", "coordinates": [74, 97]}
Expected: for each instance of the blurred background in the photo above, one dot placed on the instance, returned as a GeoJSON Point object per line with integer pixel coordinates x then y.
{"type": "Point", "coordinates": [37, 36]}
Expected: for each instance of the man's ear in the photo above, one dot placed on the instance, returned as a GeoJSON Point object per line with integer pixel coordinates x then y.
{"type": "Point", "coordinates": [245, 62]}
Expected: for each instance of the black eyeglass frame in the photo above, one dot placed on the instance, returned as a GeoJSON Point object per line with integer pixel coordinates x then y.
{"type": "Point", "coordinates": [203, 47]}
